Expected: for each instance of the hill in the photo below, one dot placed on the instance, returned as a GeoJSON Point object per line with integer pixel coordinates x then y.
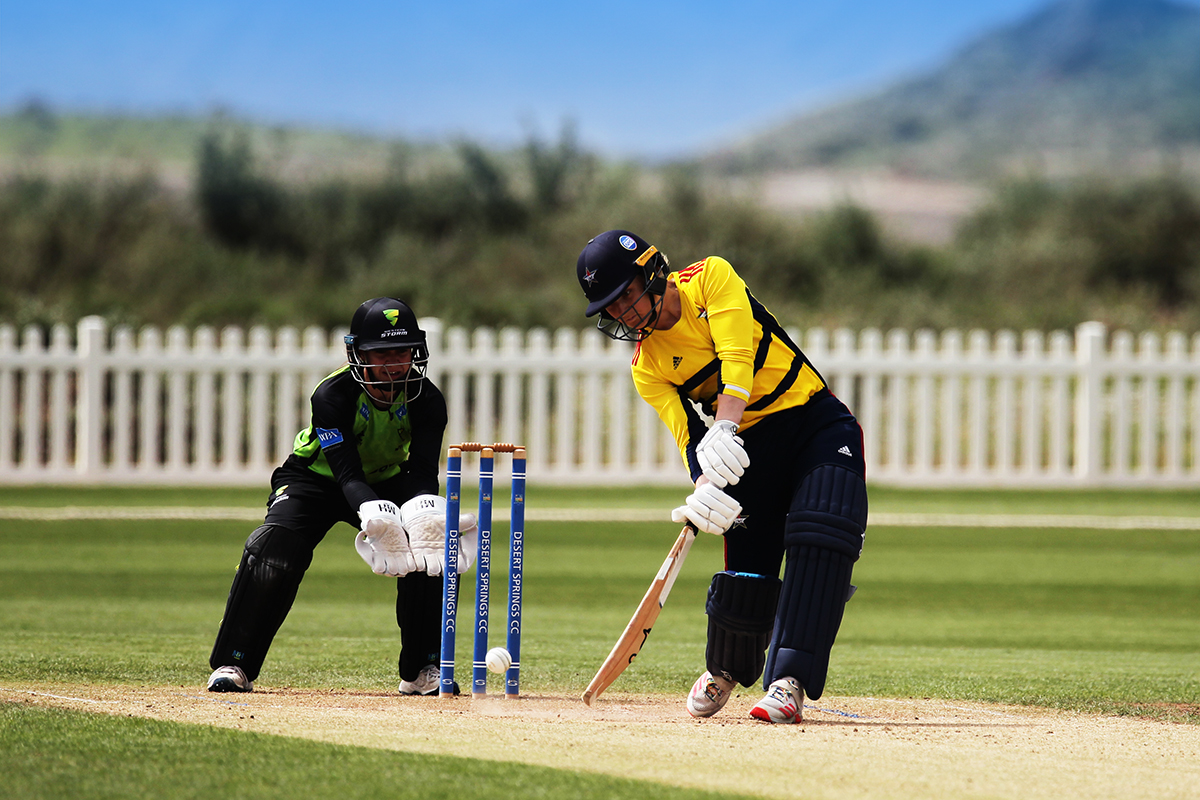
{"type": "Point", "coordinates": [38, 137]}
{"type": "Point", "coordinates": [1080, 86]}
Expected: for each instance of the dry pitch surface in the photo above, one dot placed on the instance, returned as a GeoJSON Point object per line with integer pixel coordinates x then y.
{"type": "Point", "coordinates": [847, 746]}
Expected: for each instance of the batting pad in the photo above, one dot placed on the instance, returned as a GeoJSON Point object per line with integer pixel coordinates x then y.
{"type": "Point", "coordinates": [264, 588]}
{"type": "Point", "coordinates": [824, 537]}
{"type": "Point", "coordinates": [816, 586]}
{"type": "Point", "coordinates": [741, 614]}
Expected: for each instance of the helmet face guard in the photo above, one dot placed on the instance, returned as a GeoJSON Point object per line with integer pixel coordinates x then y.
{"type": "Point", "coordinates": [389, 326]}
{"type": "Point", "coordinates": [376, 376]}
{"type": "Point", "coordinates": [606, 267]}
{"type": "Point", "coordinates": [639, 329]}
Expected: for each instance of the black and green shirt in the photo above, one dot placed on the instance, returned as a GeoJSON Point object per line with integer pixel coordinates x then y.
{"type": "Point", "coordinates": [355, 443]}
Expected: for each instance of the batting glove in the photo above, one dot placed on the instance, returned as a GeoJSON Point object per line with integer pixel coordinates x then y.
{"type": "Point", "coordinates": [424, 519]}
{"type": "Point", "coordinates": [708, 508]}
{"type": "Point", "coordinates": [721, 454]}
{"type": "Point", "coordinates": [382, 542]}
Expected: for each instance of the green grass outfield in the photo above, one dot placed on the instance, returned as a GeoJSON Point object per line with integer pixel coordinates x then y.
{"type": "Point", "coordinates": [1084, 619]}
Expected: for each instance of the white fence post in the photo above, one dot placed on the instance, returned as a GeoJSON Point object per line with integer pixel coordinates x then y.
{"type": "Point", "coordinates": [31, 402]}
{"type": "Point", "coordinates": [1089, 409]}
{"type": "Point", "coordinates": [59, 420]}
{"type": "Point", "coordinates": [8, 349]}
{"type": "Point", "coordinates": [89, 414]}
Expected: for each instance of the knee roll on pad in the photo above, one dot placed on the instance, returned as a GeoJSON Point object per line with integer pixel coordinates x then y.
{"type": "Point", "coordinates": [829, 511]}
{"type": "Point", "coordinates": [741, 615]}
{"type": "Point", "coordinates": [816, 586]}
{"type": "Point", "coordinates": [279, 548]}
{"type": "Point", "coordinates": [264, 588]}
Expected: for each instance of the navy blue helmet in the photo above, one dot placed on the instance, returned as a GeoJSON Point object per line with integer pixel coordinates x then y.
{"type": "Point", "coordinates": [606, 267]}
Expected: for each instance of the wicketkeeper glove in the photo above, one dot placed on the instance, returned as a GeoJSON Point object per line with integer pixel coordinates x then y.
{"type": "Point", "coordinates": [382, 542]}
{"type": "Point", "coordinates": [424, 519]}
{"type": "Point", "coordinates": [709, 509]}
{"type": "Point", "coordinates": [721, 454]}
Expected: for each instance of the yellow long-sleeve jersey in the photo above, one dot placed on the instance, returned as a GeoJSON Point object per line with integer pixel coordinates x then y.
{"type": "Point", "coordinates": [725, 342]}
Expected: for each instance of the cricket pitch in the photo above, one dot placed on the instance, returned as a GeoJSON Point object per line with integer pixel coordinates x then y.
{"type": "Point", "coordinates": [846, 746]}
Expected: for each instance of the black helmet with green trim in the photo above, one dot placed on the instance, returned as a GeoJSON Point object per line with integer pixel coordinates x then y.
{"type": "Point", "coordinates": [388, 325]}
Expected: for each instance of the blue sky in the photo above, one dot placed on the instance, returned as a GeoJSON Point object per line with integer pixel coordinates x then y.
{"type": "Point", "coordinates": [650, 79]}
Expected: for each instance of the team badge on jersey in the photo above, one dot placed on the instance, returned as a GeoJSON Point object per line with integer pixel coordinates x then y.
{"type": "Point", "coordinates": [676, 361]}
{"type": "Point", "coordinates": [329, 437]}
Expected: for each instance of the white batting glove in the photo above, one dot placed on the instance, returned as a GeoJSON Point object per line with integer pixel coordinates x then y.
{"type": "Point", "coordinates": [721, 454]}
{"type": "Point", "coordinates": [709, 509]}
{"type": "Point", "coordinates": [382, 542]}
{"type": "Point", "coordinates": [424, 519]}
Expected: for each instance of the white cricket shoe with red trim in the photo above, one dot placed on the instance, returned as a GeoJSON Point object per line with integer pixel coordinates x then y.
{"type": "Point", "coordinates": [709, 695]}
{"type": "Point", "coordinates": [784, 702]}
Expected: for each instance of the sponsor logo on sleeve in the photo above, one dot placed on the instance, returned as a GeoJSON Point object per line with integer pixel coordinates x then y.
{"type": "Point", "coordinates": [329, 437]}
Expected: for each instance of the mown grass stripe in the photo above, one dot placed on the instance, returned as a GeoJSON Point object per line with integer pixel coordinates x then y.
{"type": "Point", "coordinates": [50, 753]}
{"type": "Point", "coordinates": [895, 519]}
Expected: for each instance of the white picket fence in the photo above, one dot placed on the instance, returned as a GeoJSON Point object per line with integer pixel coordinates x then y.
{"type": "Point", "coordinates": [195, 407]}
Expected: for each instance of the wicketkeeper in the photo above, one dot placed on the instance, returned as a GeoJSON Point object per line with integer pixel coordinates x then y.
{"type": "Point", "coordinates": [779, 471]}
{"type": "Point", "coordinates": [369, 459]}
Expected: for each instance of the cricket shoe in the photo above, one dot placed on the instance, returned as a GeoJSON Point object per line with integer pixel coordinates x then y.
{"type": "Point", "coordinates": [229, 679]}
{"type": "Point", "coordinates": [784, 702]}
{"type": "Point", "coordinates": [428, 682]}
{"type": "Point", "coordinates": [709, 695]}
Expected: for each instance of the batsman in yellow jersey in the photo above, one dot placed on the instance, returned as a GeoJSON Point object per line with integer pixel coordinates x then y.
{"type": "Point", "coordinates": [776, 459]}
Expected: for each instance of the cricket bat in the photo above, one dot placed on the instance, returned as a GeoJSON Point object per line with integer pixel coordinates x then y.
{"type": "Point", "coordinates": [638, 629]}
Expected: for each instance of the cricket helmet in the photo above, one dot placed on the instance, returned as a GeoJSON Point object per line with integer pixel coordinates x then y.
{"type": "Point", "coordinates": [606, 267]}
{"type": "Point", "coordinates": [388, 324]}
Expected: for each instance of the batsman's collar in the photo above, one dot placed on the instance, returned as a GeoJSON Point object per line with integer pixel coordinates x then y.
{"type": "Point", "coordinates": [608, 264]}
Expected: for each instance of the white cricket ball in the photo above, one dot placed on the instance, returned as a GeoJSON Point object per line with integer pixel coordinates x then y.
{"type": "Point", "coordinates": [498, 660]}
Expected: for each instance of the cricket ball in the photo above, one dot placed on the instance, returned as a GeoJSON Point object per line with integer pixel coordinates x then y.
{"type": "Point", "coordinates": [498, 660]}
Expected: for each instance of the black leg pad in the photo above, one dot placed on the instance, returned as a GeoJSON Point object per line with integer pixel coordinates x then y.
{"type": "Point", "coordinates": [264, 588]}
{"type": "Point", "coordinates": [816, 586]}
{"type": "Point", "coordinates": [741, 615]}
{"type": "Point", "coordinates": [419, 615]}
{"type": "Point", "coordinates": [829, 511]}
